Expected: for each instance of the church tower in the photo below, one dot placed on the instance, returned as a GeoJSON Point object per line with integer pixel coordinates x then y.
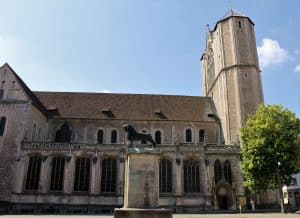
{"type": "Point", "coordinates": [231, 74]}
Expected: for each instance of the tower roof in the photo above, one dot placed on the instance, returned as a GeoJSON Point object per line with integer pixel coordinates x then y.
{"type": "Point", "coordinates": [232, 13]}
{"type": "Point", "coordinates": [229, 14]}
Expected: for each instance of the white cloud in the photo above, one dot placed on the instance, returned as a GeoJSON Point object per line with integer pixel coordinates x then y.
{"type": "Point", "coordinates": [297, 68]}
{"type": "Point", "coordinates": [270, 53]}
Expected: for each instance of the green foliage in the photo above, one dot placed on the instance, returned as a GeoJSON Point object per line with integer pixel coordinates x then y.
{"type": "Point", "coordinates": [271, 145]}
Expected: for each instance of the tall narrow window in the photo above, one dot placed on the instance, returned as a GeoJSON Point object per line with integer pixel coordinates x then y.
{"type": "Point", "coordinates": [100, 136]}
{"type": "Point", "coordinates": [64, 134]}
{"type": "Point", "coordinates": [33, 132]}
{"type": "Point", "coordinates": [240, 24]}
{"type": "Point", "coordinates": [1, 93]}
{"type": "Point", "coordinates": [57, 174]}
{"type": "Point", "coordinates": [158, 137]}
{"type": "Point", "coordinates": [2, 125]}
{"type": "Point", "coordinates": [227, 172]}
{"type": "Point", "coordinates": [201, 135]}
{"type": "Point", "coordinates": [218, 171]}
{"type": "Point", "coordinates": [191, 176]}
{"type": "Point", "coordinates": [114, 136]}
{"type": "Point", "coordinates": [82, 175]}
{"type": "Point", "coordinates": [188, 135]}
{"type": "Point", "coordinates": [109, 175]}
{"type": "Point", "coordinates": [39, 133]}
{"type": "Point", "coordinates": [33, 173]}
{"type": "Point", "coordinates": [165, 176]}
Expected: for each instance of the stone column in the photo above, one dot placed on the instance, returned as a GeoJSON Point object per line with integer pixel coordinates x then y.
{"type": "Point", "coordinates": [179, 176]}
{"type": "Point", "coordinates": [21, 174]}
{"type": "Point", "coordinates": [120, 182]}
{"type": "Point", "coordinates": [95, 177]}
{"type": "Point", "coordinates": [69, 175]}
{"type": "Point", "coordinates": [45, 174]}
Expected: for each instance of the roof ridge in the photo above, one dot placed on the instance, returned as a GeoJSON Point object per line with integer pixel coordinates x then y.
{"type": "Point", "coordinates": [102, 93]}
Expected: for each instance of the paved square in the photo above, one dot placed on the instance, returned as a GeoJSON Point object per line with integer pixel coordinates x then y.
{"type": "Point", "coordinates": [257, 215]}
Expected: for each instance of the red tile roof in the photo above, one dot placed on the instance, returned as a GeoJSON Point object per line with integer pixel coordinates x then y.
{"type": "Point", "coordinates": [128, 106]}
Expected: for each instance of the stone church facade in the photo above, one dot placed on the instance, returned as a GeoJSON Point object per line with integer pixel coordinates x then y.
{"type": "Point", "coordinates": [63, 152]}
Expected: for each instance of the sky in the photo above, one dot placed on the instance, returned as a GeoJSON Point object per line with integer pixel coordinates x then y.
{"type": "Point", "coordinates": [142, 46]}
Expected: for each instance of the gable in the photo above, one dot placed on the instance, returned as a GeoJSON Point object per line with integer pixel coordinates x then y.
{"type": "Point", "coordinates": [10, 87]}
{"type": "Point", "coordinates": [14, 88]}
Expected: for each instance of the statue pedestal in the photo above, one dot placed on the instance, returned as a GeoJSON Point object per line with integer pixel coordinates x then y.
{"type": "Point", "coordinates": [142, 186]}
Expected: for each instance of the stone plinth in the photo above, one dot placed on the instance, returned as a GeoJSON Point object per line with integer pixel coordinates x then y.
{"type": "Point", "coordinates": [142, 213]}
{"type": "Point", "coordinates": [141, 190]}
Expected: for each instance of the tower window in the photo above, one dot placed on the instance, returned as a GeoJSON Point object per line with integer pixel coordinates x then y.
{"type": "Point", "coordinates": [188, 135]}
{"type": "Point", "coordinates": [246, 74]}
{"type": "Point", "coordinates": [240, 24]}
{"type": "Point", "coordinates": [158, 137]}
{"type": "Point", "coordinates": [114, 136]}
{"type": "Point", "coordinates": [2, 125]}
{"type": "Point", "coordinates": [165, 176]}
{"type": "Point", "coordinates": [109, 175]}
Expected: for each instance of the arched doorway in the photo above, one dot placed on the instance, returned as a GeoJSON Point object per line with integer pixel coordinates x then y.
{"type": "Point", "coordinates": [223, 200]}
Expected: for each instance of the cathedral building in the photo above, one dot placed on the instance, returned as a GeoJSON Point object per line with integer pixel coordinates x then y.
{"type": "Point", "coordinates": [64, 152]}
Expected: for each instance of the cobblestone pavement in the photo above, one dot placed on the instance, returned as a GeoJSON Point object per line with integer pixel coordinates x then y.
{"type": "Point", "coordinates": [258, 215]}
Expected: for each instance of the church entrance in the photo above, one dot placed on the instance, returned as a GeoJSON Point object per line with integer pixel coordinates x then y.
{"type": "Point", "coordinates": [222, 198]}
{"type": "Point", "coordinates": [223, 202]}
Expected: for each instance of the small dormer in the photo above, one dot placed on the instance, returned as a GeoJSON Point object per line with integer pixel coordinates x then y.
{"type": "Point", "coordinates": [108, 112]}
{"type": "Point", "coordinates": [160, 114]}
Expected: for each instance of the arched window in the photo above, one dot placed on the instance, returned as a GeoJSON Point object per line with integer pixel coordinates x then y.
{"type": "Point", "coordinates": [191, 176]}
{"type": "Point", "coordinates": [114, 136]}
{"type": "Point", "coordinates": [33, 132]}
{"type": "Point", "coordinates": [33, 173]}
{"type": "Point", "coordinates": [227, 172]}
{"type": "Point", "coordinates": [158, 137]}
{"type": "Point", "coordinates": [100, 136]}
{"type": "Point", "coordinates": [201, 135]}
{"type": "Point", "coordinates": [82, 175]}
{"type": "Point", "coordinates": [165, 176]}
{"type": "Point", "coordinates": [57, 174]}
{"type": "Point", "coordinates": [218, 171]}
{"type": "Point", "coordinates": [64, 134]}
{"type": "Point", "coordinates": [109, 175]}
{"type": "Point", "coordinates": [2, 125]}
{"type": "Point", "coordinates": [188, 135]}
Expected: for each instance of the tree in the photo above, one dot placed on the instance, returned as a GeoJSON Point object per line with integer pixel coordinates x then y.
{"type": "Point", "coordinates": [271, 148]}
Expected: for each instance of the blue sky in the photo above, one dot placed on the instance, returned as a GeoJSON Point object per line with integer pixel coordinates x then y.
{"type": "Point", "coordinates": [142, 46]}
